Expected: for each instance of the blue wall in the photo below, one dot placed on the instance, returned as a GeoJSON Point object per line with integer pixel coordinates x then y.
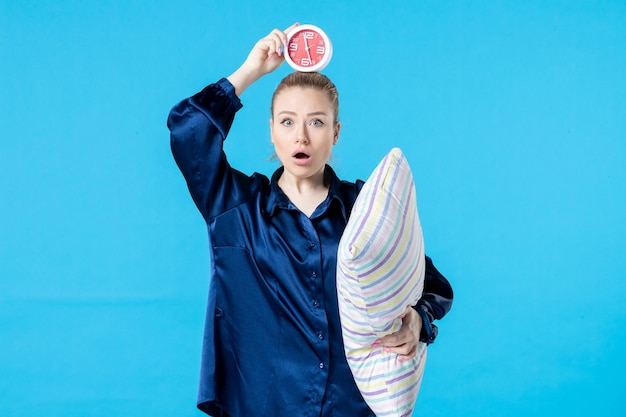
{"type": "Point", "coordinates": [512, 115]}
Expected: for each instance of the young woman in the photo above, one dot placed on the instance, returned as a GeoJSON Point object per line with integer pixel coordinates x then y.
{"type": "Point", "coordinates": [272, 344]}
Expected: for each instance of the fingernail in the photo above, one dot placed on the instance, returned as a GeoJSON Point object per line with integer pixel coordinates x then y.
{"type": "Point", "coordinates": [376, 343]}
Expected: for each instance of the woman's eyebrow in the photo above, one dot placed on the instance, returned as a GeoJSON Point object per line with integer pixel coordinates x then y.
{"type": "Point", "coordinates": [291, 113]}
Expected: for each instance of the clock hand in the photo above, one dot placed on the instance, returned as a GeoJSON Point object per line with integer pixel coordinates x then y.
{"type": "Point", "coordinates": [306, 46]}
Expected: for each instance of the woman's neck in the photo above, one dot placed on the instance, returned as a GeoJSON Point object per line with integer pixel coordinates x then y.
{"type": "Point", "coordinates": [305, 193]}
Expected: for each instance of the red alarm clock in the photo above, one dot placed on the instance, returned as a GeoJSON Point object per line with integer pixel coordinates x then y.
{"type": "Point", "coordinates": [308, 49]}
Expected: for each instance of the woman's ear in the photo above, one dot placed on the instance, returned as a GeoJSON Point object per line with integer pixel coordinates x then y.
{"type": "Point", "coordinates": [337, 129]}
{"type": "Point", "coordinates": [271, 131]}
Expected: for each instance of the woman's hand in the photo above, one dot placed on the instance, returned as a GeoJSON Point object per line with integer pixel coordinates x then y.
{"type": "Point", "coordinates": [404, 342]}
{"type": "Point", "coordinates": [265, 57]}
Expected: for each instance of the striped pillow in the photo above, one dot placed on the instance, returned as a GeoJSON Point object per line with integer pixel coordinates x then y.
{"type": "Point", "coordinates": [380, 271]}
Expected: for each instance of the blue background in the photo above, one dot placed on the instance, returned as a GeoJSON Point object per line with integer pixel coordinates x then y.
{"type": "Point", "coordinates": [512, 115]}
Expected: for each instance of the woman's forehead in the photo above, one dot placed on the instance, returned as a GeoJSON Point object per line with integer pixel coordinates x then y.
{"type": "Point", "coordinates": [302, 98]}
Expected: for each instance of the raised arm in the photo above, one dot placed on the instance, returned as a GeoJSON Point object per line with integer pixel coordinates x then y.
{"type": "Point", "coordinates": [199, 125]}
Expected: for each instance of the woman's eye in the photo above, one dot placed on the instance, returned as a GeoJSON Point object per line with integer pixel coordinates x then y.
{"type": "Point", "coordinates": [286, 122]}
{"type": "Point", "coordinates": [317, 123]}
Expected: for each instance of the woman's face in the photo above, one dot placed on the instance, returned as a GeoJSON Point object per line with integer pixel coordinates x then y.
{"type": "Point", "coordinates": [303, 130]}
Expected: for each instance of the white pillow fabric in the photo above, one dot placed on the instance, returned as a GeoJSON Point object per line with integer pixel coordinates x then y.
{"type": "Point", "coordinates": [380, 271]}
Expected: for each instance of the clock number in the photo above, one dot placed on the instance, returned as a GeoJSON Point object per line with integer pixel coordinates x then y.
{"type": "Point", "coordinates": [305, 62]}
{"type": "Point", "coordinates": [309, 35]}
{"type": "Point", "coordinates": [320, 50]}
{"type": "Point", "coordinates": [293, 46]}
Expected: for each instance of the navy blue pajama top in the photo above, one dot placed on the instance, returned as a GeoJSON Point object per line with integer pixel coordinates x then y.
{"type": "Point", "coordinates": [272, 343]}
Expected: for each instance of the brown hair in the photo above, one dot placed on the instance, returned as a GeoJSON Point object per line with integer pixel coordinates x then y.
{"type": "Point", "coordinates": [313, 80]}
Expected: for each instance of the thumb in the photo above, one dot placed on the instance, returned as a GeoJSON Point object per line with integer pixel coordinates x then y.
{"type": "Point", "coordinates": [292, 27]}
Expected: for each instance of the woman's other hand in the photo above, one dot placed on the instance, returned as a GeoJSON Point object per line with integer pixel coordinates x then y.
{"type": "Point", "coordinates": [404, 342]}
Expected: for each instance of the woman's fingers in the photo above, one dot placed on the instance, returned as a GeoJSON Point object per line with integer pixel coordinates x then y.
{"type": "Point", "coordinates": [265, 57]}
{"type": "Point", "coordinates": [275, 41]}
{"type": "Point", "coordinates": [404, 342]}
{"type": "Point", "coordinates": [278, 40]}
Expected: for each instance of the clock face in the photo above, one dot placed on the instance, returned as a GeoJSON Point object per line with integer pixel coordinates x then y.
{"type": "Point", "coordinates": [308, 49]}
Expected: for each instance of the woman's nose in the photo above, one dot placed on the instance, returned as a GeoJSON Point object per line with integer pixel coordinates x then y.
{"type": "Point", "coordinates": [301, 135]}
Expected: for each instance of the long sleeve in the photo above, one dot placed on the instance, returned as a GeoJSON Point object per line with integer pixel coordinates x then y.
{"type": "Point", "coordinates": [198, 126]}
{"type": "Point", "coordinates": [435, 303]}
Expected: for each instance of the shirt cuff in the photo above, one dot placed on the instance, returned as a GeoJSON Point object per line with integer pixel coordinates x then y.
{"type": "Point", "coordinates": [429, 331]}
{"type": "Point", "coordinates": [229, 89]}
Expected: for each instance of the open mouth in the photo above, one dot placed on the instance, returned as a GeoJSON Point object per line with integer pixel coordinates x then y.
{"type": "Point", "coordinates": [301, 155]}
